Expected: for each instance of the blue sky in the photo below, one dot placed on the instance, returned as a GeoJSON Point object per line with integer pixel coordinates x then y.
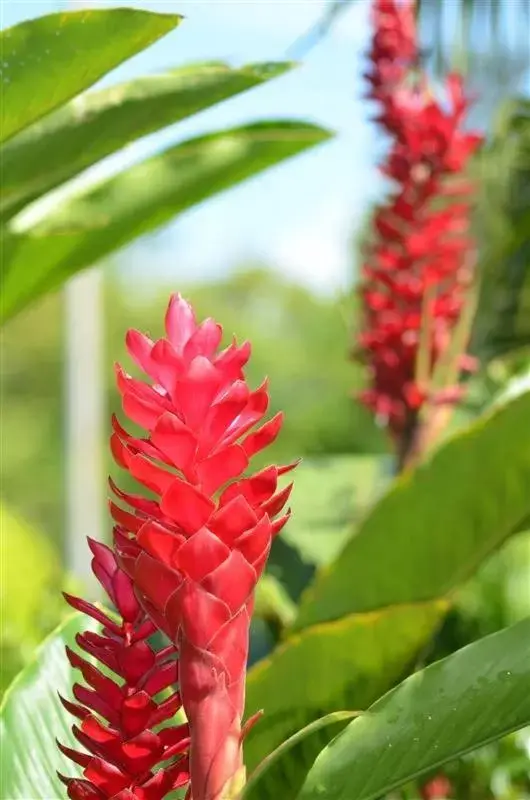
{"type": "Point", "coordinates": [300, 215]}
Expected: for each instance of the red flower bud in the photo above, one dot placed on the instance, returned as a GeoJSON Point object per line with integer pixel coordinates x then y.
{"type": "Point", "coordinates": [119, 722]}
{"type": "Point", "coordinates": [195, 550]}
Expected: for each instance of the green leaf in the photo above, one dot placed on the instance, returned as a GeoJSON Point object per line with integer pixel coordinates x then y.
{"type": "Point", "coordinates": [329, 494]}
{"type": "Point", "coordinates": [47, 61]}
{"type": "Point", "coordinates": [369, 616]}
{"type": "Point", "coordinates": [447, 515]}
{"type": "Point", "coordinates": [81, 231]}
{"type": "Point", "coordinates": [282, 773]}
{"type": "Point", "coordinates": [344, 664]}
{"type": "Point", "coordinates": [31, 717]}
{"type": "Point", "coordinates": [97, 124]}
{"type": "Point", "coordinates": [473, 697]}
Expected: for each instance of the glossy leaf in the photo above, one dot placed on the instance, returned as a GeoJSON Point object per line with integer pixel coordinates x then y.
{"type": "Point", "coordinates": [97, 124]}
{"type": "Point", "coordinates": [48, 60]}
{"type": "Point", "coordinates": [383, 610]}
{"type": "Point", "coordinates": [82, 230]}
{"type": "Point", "coordinates": [447, 515]}
{"type": "Point", "coordinates": [283, 772]}
{"type": "Point", "coordinates": [473, 697]}
{"type": "Point", "coordinates": [32, 716]}
{"type": "Point", "coordinates": [344, 664]}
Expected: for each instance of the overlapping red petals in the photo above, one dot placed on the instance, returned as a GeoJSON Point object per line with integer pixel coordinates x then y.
{"type": "Point", "coordinates": [126, 756]}
{"type": "Point", "coordinates": [197, 547]}
{"type": "Point", "coordinates": [421, 259]}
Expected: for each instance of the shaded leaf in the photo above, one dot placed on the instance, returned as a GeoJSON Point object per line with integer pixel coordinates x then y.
{"type": "Point", "coordinates": [344, 664]}
{"type": "Point", "coordinates": [473, 697]}
{"type": "Point", "coordinates": [48, 60]}
{"type": "Point", "coordinates": [447, 515]}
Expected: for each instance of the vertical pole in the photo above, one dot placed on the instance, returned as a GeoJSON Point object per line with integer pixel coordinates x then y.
{"type": "Point", "coordinates": [85, 425]}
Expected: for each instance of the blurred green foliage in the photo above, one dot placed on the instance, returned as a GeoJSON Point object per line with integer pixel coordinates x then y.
{"type": "Point", "coordinates": [30, 601]}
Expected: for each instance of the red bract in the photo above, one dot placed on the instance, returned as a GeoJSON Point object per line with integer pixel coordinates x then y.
{"type": "Point", "coordinates": [119, 721]}
{"type": "Point", "coordinates": [394, 49]}
{"type": "Point", "coordinates": [419, 265]}
{"type": "Point", "coordinates": [196, 549]}
{"type": "Point", "coordinates": [439, 788]}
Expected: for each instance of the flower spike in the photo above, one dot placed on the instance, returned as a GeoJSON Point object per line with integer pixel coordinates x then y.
{"type": "Point", "coordinates": [126, 755]}
{"type": "Point", "coordinates": [197, 548]}
{"type": "Point", "coordinates": [419, 264]}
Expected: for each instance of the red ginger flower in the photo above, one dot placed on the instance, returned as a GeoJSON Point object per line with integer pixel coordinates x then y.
{"type": "Point", "coordinates": [438, 788]}
{"type": "Point", "coordinates": [419, 262]}
{"type": "Point", "coordinates": [196, 550]}
{"type": "Point", "coordinates": [119, 722]}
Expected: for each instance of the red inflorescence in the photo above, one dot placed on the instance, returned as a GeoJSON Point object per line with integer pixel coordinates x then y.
{"type": "Point", "coordinates": [394, 50]}
{"type": "Point", "coordinates": [420, 263]}
{"type": "Point", "coordinates": [438, 788]}
{"type": "Point", "coordinates": [129, 757]}
{"type": "Point", "coordinates": [197, 547]}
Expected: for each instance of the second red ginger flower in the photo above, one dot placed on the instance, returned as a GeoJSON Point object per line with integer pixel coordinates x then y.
{"type": "Point", "coordinates": [420, 264]}
{"type": "Point", "coordinates": [196, 549]}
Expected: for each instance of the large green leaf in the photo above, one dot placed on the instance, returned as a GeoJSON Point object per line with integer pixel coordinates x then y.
{"type": "Point", "coordinates": [447, 515]}
{"type": "Point", "coordinates": [283, 772]}
{"type": "Point", "coordinates": [473, 697]}
{"type": "Point", "coordinates": [82, 230]}
{"type": "Point", "coordinates": [31, 717]}
{"type": "Point", "coordinates": [97, 124]}
{"type": "Point", "coordinates": [344, 664]}
{"type": "Point", "coordinates": [368, 617]}
{"type": "Point", "coordinates": [47, 61]}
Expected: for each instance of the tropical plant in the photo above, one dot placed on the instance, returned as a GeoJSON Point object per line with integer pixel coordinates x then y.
{"type": "Point", "coordinates": [356, 703]}
{"type": "Point", "coordinates": [420, 263]}
{"type": "Point", "coordinates": [51, 133]}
